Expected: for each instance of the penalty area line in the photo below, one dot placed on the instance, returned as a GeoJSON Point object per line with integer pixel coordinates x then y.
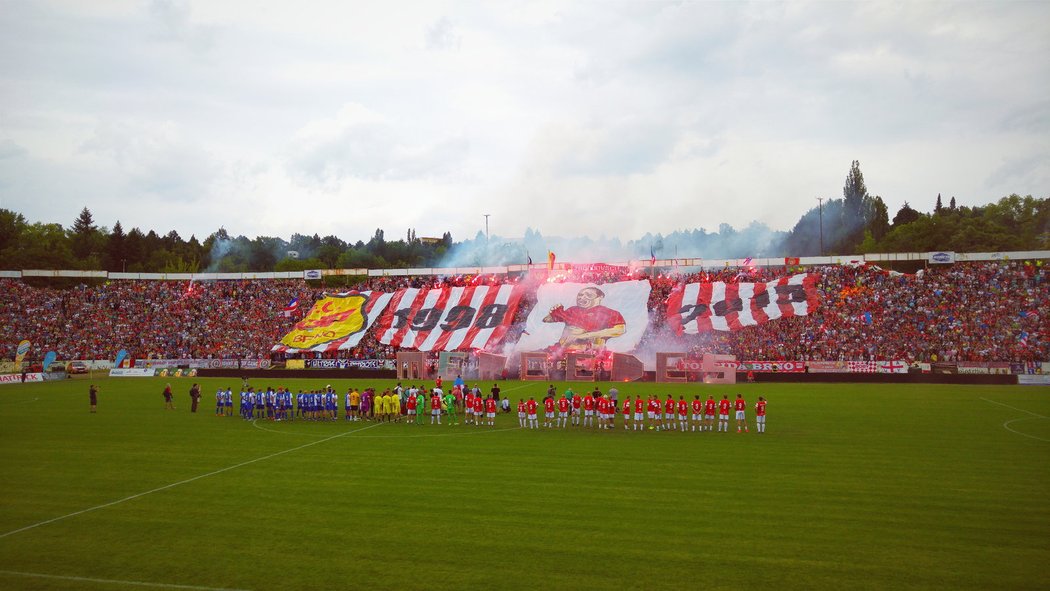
{"type": "Point", "coordinates": [115, 581]}
{"type": "Point", "coordinates": [1006, 424]}
{"type": "Point", "coordinates": [181, 482]}
{"type": "Point", "coordinates": [1015, 408]}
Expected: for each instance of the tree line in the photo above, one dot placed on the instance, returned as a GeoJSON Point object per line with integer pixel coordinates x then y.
{"type": "Point", "coordinates": [858, 223]}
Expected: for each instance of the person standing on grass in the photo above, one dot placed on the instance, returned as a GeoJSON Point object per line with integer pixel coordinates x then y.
{"type": "Point", "coordinates": [669, 413]}
{"type": "Point", "coordinates": [195, 397]}
{"type": "Point", "coordinates": [709, 413]}
{"type": "Point", "coordinates": [479, 409]}
{"type": "Point", "coordinates": [421, 405]}
{"type": "Point", "coordinates": [588, 409]}
{"type": "Point", "coordinates": [366, 403]}
{"type": "Point", "coordinates": [698, 413]}
{"type": "Point", "coordinates": [639, 414]}
{"type": "Point", "coordinates": [740, 406]}
{"type": "Point", "coordinates": [683, 414]}
{"type": "Point", "coordinates": [760, 415]}
{"type": "Point", "coordinates": [521, 413]}
{"type": "Point", "coordinates": [548, 412]}
{"type": "Point", "coordinates": [626, 412]}
{"type": "Point", "coordinates": [723, 414]}
{"type": "Point", "coordinates": [410, 408]}
{"type": "Point", "coordinates": [652, 409]}
{"type": "Point", "coordinates": [450, 408]}
{"type": "Point", "coordinates": [563, 412]}
{"type": "Point", "coordinates": [468, 407]}
{"type": "Point", "coordinates": [93, 397]}
{"type": "Point", "coordinates": [220, 399]}
{"type": "Point", "coordinates": [577, 404]}
{"type": "Point", "coordinates": [229, 401]}
{"type": "Point", "coordinates": [490, 410]}
{"type": "Point", "coordinates": [169, 398]}
{"type": "Point", "coordinates": [603, 410]}
{"type": "Point", "coordinates": [435, 406]}
{"type": "Point", "coordinates": [530, 408]}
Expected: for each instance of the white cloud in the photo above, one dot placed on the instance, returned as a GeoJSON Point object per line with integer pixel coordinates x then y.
{"type": "Point", "coordinates": [597, 118]}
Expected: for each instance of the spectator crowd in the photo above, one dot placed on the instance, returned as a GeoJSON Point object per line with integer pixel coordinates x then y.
{"type": "Point", "coordinates": [988, 311]}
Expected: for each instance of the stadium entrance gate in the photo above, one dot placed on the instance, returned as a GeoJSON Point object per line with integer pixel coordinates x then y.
{"type": "Point", "coordinates": [412, 365]}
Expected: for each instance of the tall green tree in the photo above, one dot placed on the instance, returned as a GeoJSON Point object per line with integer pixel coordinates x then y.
{"type": "Point", "coordinates": [84, 235]}
{"type": "Point", "coordinates": [116, 249]}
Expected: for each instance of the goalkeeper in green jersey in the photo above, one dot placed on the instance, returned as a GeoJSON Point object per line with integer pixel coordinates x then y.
{"type": "Point", "coordinates": [449, 403]}
{"type": "Point", "coordinates": [421, 404]}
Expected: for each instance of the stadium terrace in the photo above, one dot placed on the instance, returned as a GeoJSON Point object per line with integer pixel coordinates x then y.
{"type": "Point", "coordinates": [976, 311]}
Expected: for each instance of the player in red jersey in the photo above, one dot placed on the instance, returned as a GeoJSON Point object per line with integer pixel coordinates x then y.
{"type": "Point", "coordinates": [669, 412]}
{"type": "Point", "coordinates": [563, 412]}
{"type": "Point", "coordinates": [435, 408]}
{"type": "Point", "coordinates": [639, 414]}
{"type": "Point", "coordinates": [490, 410]}
{"type": "Point", "coordinates": [760, 415]}
{"type": "Point", "coordinates": [626, 412]}
{"type": "Point", "coordinates": [603, 412]}
{"type": "Point", "coordinates": [740, 406]}
{"type": "Point", "coordinates": [588, 410]}
{"type": "Point", "coordinates": [530, 409]}
{"type": "Point", "coordinates": [723, 414]}
{"type": "Point", "coordinates": [479, 409]}
{"type": "Point", "coordinates": [468, 407]}
{"type": "Point", "coordinates": [577, 402]}
{"type": "Point", "coordinates": [709, 413]}
{"type": "Point", "coordinates": [652, 411]}
{"type": "Point", "coordinates": [698, 413]}
{"type": "Point", "coordinates": [521, 413]}
{"type": "Point", "coordinates": [683, 414]}
{"type": "Point", "coordinates": [548, 412]}
{"type": "Point", "coordinates": [410, 407]}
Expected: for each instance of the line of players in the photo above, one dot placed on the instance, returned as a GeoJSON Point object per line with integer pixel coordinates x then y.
{"type": "Point", "coordinates": [589, 410]}
{"type": "Point", "coordinates": [388, 406]}
{"type": "Point", "coordinates": [640, 414]}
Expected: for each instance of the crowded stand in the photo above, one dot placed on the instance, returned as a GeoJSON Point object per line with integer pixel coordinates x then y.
{"type": "Point", "coordinates": [967, 312]}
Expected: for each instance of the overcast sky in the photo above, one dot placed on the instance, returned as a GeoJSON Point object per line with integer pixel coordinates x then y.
{"type": "Point", "coordinates": [583, 118]}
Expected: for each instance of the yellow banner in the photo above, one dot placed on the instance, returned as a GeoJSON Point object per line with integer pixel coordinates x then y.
{"type": "Point", "coordinates": [295, 364]}
{"type": "Point", "coordinates": [331, 319]}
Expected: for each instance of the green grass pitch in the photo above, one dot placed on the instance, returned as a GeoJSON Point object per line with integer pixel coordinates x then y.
{"type": "Point", "coordinates": [852, 487]}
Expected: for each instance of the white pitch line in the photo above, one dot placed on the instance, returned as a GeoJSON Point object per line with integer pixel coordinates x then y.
{"type": "Point", "coordinates": [181, 482]}
{"type": "Point", "coordinates": [1015, 408]}
{"type": "Point", "coordinates": [116, 581]}
{"type": "Point", "coordinates": [1006, 424]}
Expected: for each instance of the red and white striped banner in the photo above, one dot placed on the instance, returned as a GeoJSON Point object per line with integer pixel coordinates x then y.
{"type": "Point", "coordinates": [698, 307]}
{"type": "Point", "coordinates": [449, 318]}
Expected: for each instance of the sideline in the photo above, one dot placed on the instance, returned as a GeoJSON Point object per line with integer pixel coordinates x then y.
{"type": "Point", "coordinates": [1006, 424]}
{"type": "Point", "coordinates": [181, 482]}
{"type": "Point", "coordinates": [116, 581]}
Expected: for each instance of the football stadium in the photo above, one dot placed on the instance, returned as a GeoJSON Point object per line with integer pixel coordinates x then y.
{"type": "Point", "coordinates": [299, 437]}
{"type": "Point", "coordinates": [524, 295]}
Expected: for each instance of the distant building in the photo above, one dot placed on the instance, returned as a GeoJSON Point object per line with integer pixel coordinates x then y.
{"type": "Point", "coordinates": [430, 241]}
{"type": "Point", "coordinates": [292, 254]}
